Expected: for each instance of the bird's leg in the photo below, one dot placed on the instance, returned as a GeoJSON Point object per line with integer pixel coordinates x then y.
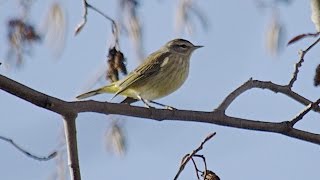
{"type": "Point", "coordinates": [163, 105]}
{"type": "Point", "coordinates": [129, 100]}
{"type": "Point", "coordinates": [146, 103]}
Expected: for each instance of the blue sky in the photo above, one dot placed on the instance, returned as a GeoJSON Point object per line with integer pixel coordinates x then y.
{"type": "Point", "coordinates": [234, 51]}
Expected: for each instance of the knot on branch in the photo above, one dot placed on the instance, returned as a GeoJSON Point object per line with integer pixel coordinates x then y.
{"type": "Point", "coordinates": [287, 126]}
{"type": "Point", "coordinates": [47, 104]}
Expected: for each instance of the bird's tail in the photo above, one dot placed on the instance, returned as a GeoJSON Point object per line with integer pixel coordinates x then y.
{"type": "Point", "coordinates": [106, 89]}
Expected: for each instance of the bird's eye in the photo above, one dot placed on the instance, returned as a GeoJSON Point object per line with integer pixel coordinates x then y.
{"type": "Point", "coordinates": [183, 46]}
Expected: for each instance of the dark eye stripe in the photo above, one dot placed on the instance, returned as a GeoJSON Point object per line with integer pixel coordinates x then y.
{"type": "Point", "coordinates": [183, 46]}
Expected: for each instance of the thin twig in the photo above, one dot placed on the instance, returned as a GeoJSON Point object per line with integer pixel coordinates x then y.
{"type": "Point", "coordinates": [44, 158]}
{"type": "Point", "coordinates": [84, 18]}
{"type": "Point", "coordinates": [196, 168]}
{"type": "Point", "coordinates": [299, 63]}
{"type": "Point", "coordinates": [299, 116]}
{"type": "Point", "coordinates": [204, 161]}
{"type": "Point", "coordinates": [86, 5]}
{"type": "Point", "coordinates": [114, 25]}
{"type": "Point", "coordinates": [189, 156]}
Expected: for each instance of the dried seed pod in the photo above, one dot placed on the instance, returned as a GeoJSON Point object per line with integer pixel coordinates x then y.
{"type": "Point", "coordinates": [119, 63]}
{"type": "Point", "coordinates": [209, 175]}
{"type": "Point", "coordinates": [316, 80]}
{"type": "Point", "coordinates": [116, 63]}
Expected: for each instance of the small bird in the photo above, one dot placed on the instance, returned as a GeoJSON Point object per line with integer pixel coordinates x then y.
{"type": "Point", "coordinates": [161, 73]}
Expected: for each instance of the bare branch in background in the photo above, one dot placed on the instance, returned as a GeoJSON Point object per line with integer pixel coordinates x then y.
{"type": "Point", "coordinates": [195, 167]}
{"type": "Point", "coordinates": [114, 26]}
{"type": "Point", "coordinates": [61, 168]}
{"type": "Point", "coordinates": [301, 36]}
{"type": "Point", "coordinates": [116, 60]}
{"type": "Point", "coordinates": [84, 18]}
{"type": "Point", "coordinates": [189, 156]}
{"type": "Point", "coordinates": [186, 10]}
{"type": "Point", "coordinates": [304, 112]}
{"type": "Point", "coordinates": [25, 152]}
{"type": "Point", "coordinates": [299, 63]}
{"type": "Point", "coordinates": [267, 4]}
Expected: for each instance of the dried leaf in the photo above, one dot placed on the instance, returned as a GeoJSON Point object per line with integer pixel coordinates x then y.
{"type": "Point", "coordinates": [209, 175]}
{"type": "Point", "coordinates": [21, 36]}
{"type": "Point", "coordinates": [315, 13]}
{"type": "Point", "coordinates": [54, 27]}
{"type": "Point", "coordinates": [274, 36]}
{"type": "Point", "coordinates": [316, 79]}
{"type": "Point", "coordinates": [116, 140]}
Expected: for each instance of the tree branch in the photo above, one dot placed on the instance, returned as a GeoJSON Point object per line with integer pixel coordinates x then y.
{"type": "Point", "coordinates": [276, 88]}
{"type": "Point", "coordinates": [216, 117]}
{"type": "Point", "coordinates": [72, 147]}
{"type": "Point", "coordinates": [86, 5]}
{"type": "Point", "coordinates": [299, 63]}
{"type": "Point", "coordinates": [44, 158]}
{"type": "Point", "coordinates": [304, 112]}
{"type": "Point", "coordinates": [188, 157]}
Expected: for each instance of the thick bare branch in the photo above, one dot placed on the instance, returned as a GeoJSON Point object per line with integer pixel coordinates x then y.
{"type": "Point", "coordinates": [216, 117]}
{"type": "Point", "coordinates": [250, 84]}
{"type": "Point", "coordinates": [72, 148]}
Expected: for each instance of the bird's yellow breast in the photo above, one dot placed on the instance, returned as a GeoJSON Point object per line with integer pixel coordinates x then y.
{"type": "Point", "coordinates": [164, 83]}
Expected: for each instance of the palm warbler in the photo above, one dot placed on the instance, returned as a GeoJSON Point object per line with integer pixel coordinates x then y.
{"type": "Point", "coordinates": [162, 72]}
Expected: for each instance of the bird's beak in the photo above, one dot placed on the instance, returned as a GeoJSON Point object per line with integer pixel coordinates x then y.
{"type": "Point", "coordinates": [197, 47]}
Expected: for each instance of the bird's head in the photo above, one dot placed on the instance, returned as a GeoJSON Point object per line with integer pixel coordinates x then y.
{"type": "Point", "coordinates": [181, 46]}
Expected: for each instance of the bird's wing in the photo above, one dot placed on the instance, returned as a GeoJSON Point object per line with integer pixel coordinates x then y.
{"type": "Point", "coordinates": [150, 67]}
